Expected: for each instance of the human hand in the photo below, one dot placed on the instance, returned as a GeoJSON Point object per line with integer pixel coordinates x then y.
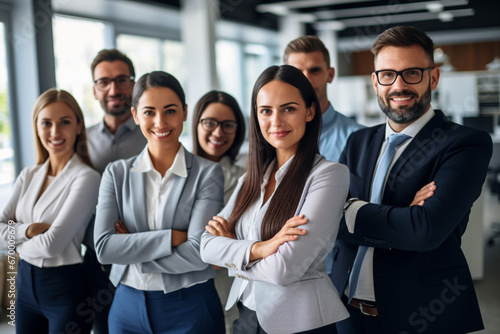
{"type": "Point", "coordinates": [178, 237]}
{"type": "Point", "coordinates": [36, 229]}
{"type": "Point", "coordinates": [120, 228]}
{"type": "Point", "coordinates": [218, 227]}
{"type": "Point", "coordinates": [288, 232]}
{"type": "Point", "coordinates": [423, 194]}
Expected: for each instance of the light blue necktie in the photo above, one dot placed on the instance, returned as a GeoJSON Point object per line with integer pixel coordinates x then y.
{"type": "Point", "coordinates": [393, 142]}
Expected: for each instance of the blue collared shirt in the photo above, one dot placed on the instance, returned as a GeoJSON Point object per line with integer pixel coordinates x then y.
{"type": "Point", "coordinates": [335, 130]}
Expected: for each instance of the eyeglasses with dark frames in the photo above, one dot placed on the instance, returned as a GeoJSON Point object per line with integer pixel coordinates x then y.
{"type": "Point", "coordinates": [411, 76]}
{"type": "Point", "coordinates": [210, 124]}
{"type": "Point", "coordinates": [121, 81]}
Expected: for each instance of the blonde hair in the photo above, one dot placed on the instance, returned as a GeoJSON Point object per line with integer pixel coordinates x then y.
{"type": "Point", "coordinates": [55, 95]}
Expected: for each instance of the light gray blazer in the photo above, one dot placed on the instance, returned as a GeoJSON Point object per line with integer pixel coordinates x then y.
{"type": "Point", "coordinates": [67, 204]}
{"type": "Point", "coordinates": [122, 196]}
{"type": "Point", "coordinates": [292, 291]}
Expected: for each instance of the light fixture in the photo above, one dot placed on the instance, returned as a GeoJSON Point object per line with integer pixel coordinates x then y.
{"type": "Point", "coordinates": [434, 7]}
{"type": "Point", "coordinates": [445, 16]}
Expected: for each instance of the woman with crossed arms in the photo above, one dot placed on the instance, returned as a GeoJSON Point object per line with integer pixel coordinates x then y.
{"type": "Point", "coordinates": [283, 217]}
{"type": "Point", "coordinates": [151, 213]}
{"type": "Point", "coordinates": [46, 217]}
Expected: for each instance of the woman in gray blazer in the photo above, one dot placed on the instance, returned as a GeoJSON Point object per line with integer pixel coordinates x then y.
{"type": "Point", "coordinates": [45, 221]}
{"type": "Point", "coordinates": [151, 213]}
{"type": "Point", "coordinates": [283, 217]}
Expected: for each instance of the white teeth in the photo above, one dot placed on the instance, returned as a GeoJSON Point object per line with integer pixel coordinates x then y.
{"type": "Point", "coordinates": [401, 98]}
{"type": "Point", "coordinates": [162, 134]}
{"type": "Point", "coordinates": [57, 142]}
{"type": "Point", "coordinates": [216, 142]}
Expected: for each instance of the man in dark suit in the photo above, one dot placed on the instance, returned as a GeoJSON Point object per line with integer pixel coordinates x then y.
{"type": "Point", "coordinates": [397, 261]}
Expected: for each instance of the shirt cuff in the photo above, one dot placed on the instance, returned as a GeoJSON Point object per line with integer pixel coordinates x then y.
{"type": "Point", "coordinates": [351, 213]}
{"type": "Point", "coordinates": [21, 232]}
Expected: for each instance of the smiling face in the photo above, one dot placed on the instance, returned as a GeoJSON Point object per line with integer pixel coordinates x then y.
{"type": "Point", "coordinates": [160, 115]}
{"type": "Point", "coordinates": [215, 143]}
{"type": "Point", "coordinates": [404, 103]}
{"type": "Point", "coordinates": [114, 101]}
{"type": "Point", "coordinates": [57, 128]}
{"type": "Point", "coordinates": [313, 65]}
{"type": "Point", "coordinates": [282, 115]}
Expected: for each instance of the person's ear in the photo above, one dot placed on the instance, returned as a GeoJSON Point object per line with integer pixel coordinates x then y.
{"type": "Point", "coordinates": [311, 112]}
{"type": "Point", "coordinates": [134, 115]}
{"type": "Point", "coordinates": [331, 74]}
{"type": "Point", "coordinates": [185, 112]}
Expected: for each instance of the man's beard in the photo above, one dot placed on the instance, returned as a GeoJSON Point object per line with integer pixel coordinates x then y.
{"type": "Point", "coordinates": [405, 114]}
{"type": "Point", "coordinates": [121, 110]}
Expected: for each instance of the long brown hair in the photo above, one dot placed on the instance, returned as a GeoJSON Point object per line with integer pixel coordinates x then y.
{"type": "Point", "coordinates": [215, 96]}
{"type": "Point", "coordinates": [54, 95]}
{"type": "Point", "coordinates": [286, 197]}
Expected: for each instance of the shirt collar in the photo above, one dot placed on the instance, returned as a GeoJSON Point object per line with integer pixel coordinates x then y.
{"type": "Point", "coordinates": [129, 125]}
{"type": "Point", "coordinates": [329, 115]}
{"type": "Point", "coordinates": [280, 173]}
{"type": "Point", "coordinates": [415, 127]}
{"type": "Point", "coordinates": [178, 167]}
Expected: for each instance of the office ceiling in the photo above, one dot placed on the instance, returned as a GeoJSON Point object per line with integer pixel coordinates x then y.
{"type": "Point", "coordinates": [368, 17]}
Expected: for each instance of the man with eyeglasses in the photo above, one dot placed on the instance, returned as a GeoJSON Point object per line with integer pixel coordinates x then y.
{"type": "Point", "coordinates": [398, 264]}
{"type": "Point", "coordinates": [116, 137]}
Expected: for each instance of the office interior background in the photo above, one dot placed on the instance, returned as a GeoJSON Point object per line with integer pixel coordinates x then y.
{"type": "Point", "coordinates": [226, 44]}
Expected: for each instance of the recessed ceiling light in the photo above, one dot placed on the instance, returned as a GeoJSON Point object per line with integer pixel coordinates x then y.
{"type": "Point", "coordinates": [434, 7]}
{"type": "Point", "coordinates": [445, 16]}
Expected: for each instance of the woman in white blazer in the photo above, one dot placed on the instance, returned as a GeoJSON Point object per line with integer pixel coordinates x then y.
{"type": "Point", "coordinates": [151, 213]}
{"type": "Point", "coordinates": [46, 217]}
{"type": "Point", "coordinates": [283, 217]}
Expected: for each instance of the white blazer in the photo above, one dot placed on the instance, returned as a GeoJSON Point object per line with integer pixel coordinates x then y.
{"type": "Point", "coordinates": [67, 204]}
{"type": "Point", "coordinates": [292, 291]}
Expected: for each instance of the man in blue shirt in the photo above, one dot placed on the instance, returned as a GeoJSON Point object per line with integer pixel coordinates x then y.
{"type": "Point", "coordinates": [309, 54]}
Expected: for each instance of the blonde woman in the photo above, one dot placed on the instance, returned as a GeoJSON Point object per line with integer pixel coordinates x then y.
{"type": "Point", "coordinates": [46, 217]}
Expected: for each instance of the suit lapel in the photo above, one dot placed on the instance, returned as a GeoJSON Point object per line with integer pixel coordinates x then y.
{"type": "Point", "coordinates": [371, 159]}
{"type": "Point", "coordinates": [35, 186]}
{"type": "Point", "coordinates": [58, 185]}
{"type": "Point", "coordinates": [137, 196]}
{"type": "Point", "coordinates": [404, 166]}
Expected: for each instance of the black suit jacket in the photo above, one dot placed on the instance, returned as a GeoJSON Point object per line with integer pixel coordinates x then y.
{"type": "Point", "coordinates": [421, 278]}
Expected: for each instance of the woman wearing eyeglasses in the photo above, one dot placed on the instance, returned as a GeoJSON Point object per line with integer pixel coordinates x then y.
{"type": "Point", "coordinates": [218, 133]}
{"type": "Point", "coordinates": [151, 213]}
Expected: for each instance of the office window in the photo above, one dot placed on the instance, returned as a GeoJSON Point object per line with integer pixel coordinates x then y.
{"type": "Point", "coordinates": [76, 42]}
{"type": "Point", "coordinates": [153, 54]}
{"type": "Point", "coordinates": [229, 71]}
{"type": "Point", "coordinates": [7, 170]}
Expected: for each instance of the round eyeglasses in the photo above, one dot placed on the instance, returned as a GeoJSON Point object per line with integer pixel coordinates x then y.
{"type": "Point", "coordinates": [411, 76]}
{"type": "Point", "coordinates": [121, 81]}
{"type": "Point", "coordinates": [210, 124]}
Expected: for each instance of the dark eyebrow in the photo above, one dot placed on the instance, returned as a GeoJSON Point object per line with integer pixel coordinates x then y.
{"type": "Point", "coordinates": [165, 107]}
{"type": "Point", "coordinates": [281, 106]}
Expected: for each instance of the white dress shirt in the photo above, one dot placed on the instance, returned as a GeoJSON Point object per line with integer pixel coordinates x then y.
{"type": "Point", "coordinates": [365, 289]}
{"type": "Point", "coordinates": [251, 222]}
{"type": "Point", "coordinates": [67, 204]}
{"type": "Point", "coordinates": [157, 195]}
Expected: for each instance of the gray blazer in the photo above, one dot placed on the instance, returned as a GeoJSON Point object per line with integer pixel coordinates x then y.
{"type": "Point", "coordinates": [121, 196]}
{"type": "Point", "coordinates": [292, 291]}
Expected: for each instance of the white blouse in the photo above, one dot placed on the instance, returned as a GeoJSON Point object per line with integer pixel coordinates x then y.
{"type": "Point", "coordinates": [67, 204]}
